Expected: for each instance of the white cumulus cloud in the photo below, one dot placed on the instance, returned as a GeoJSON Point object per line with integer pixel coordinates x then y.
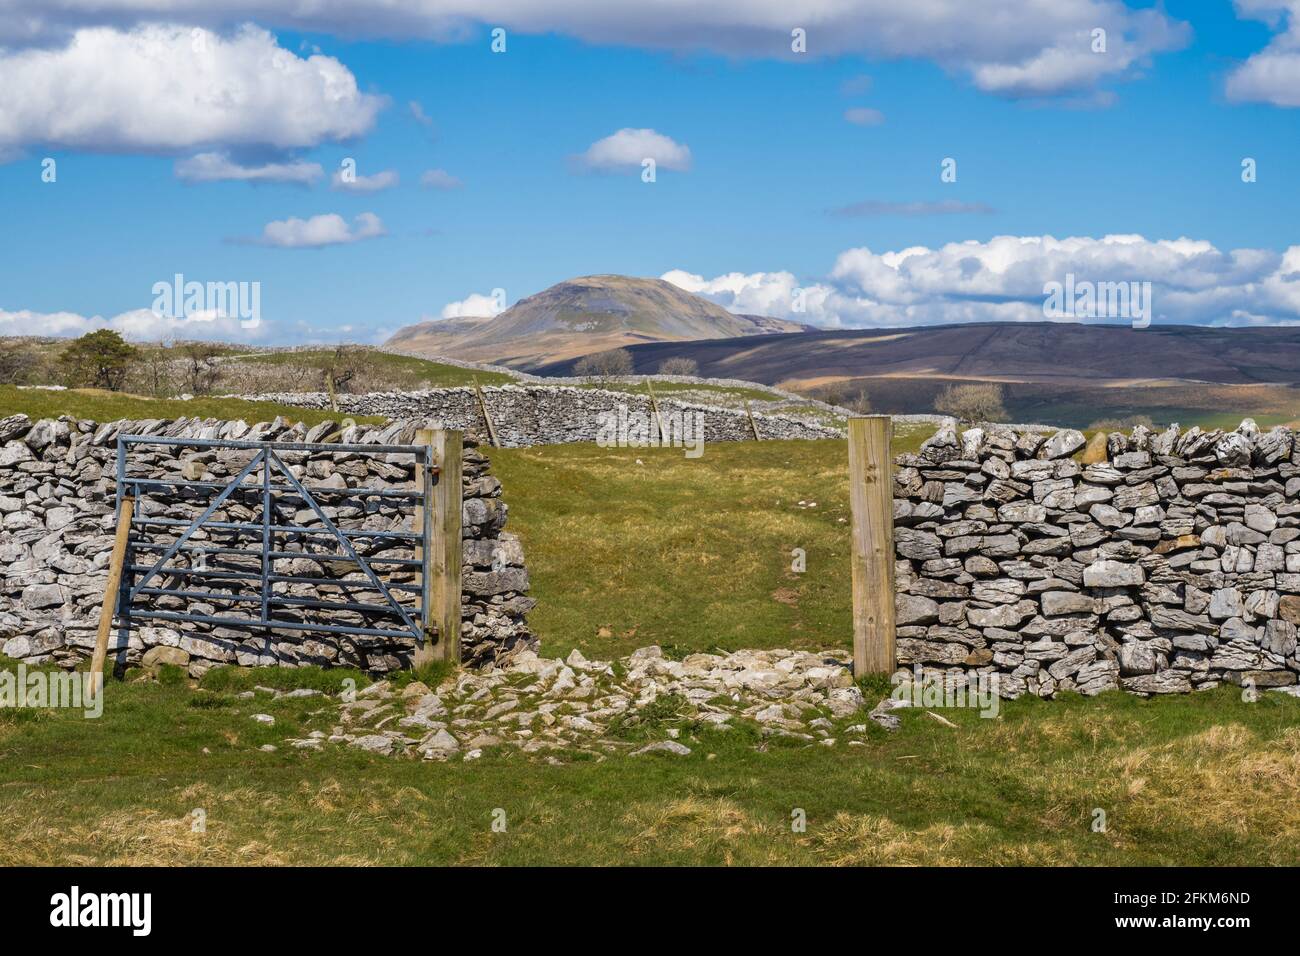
{"type": "Point", "coordinates": [1003, 279]}
{"type": "Point", "coordinates": [166, 88]}
{"type": "Point", "coordinates": [1273, 74]}
{"type": "Point", "coordinates": [628, 148]}
{"type": "Point", "coordinates": [474, 304]}
{"type": "Point", "coordinates": [137, 325]}
{"type": "Point", "coordinates": [327, 229]}
{"type": "Point", "coordinates": [385, 179]}
{"type": "Point", "coordinates": [1005, 46]}
{"type": "Point", "coordinates": [216, 167]}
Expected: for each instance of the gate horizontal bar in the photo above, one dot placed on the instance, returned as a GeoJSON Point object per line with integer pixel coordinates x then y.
{"type": "Point", "coordinates": [221, 575]}
{"type": "Point", "coordinates": [273, 623]}
{"type": "Point", "coordinates": [272, 458]}
{"type": "Point", "coordinates": [282, 528]}
{"type": "Point", "coordinates": [419, 451]}
{"type": "Point", "coordinates": [311, 603]}
{"type": "Point", "coordinates": [277, 555]}
{"type": "Point", "coordinates": [281, 489]}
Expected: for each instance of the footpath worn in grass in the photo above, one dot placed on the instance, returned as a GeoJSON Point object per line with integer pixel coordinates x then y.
{"type": "Point", "coordinates": [1206, 779]}
{"type": "Point", "coordinates": [634, 546]}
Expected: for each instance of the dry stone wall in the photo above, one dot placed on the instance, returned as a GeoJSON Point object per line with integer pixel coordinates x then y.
{"type": "Point", "coordinates": [551, 415]}
{"type": "Point", "coordinates": [1169, 563]}
{"type": "Point", "coordinates": [57, 487]}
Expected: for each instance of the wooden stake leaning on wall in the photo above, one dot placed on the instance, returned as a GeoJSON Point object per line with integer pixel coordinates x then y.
{"type": "Point", "coordinates": [871, 500]}
{"type": "Point", "coordinates": [422, 526]}
{"type": "Point", "coordinates": [445, 563]}
{"type": "Point", "coordinates": [752, 424]}
{"type": "Point", "coordinates": [111, 588]}
{"type": "Point", "coordinates": [487, 416]}
{"type": "Point", "coordinates": [654, 404]}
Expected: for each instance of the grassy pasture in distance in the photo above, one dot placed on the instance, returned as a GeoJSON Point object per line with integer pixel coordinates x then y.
{"type": "Point", "coordinates": [411, 372]}
{"type": "Point", "coordinates": [738, 393]}
{"type": "Point", "coordinates": [628, 547]}
{"type": "Point", "coordinates": [104, 406]}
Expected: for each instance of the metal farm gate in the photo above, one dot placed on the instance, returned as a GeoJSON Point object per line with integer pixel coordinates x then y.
{"type": "Point", "coordinates": [246, 566]}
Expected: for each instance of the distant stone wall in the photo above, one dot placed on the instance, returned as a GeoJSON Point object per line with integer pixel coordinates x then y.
{"type": "Point", "coordinates": [57, 487]}
{"type": "Point", "coordinates": [551, 415]}
{"type": "Point", "coordinates": [1169, 563]}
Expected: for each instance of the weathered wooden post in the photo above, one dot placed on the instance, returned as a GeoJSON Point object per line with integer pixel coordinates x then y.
{"type": "Point", "coordinates": [487, 415]}
{"type": "Point", "coordinates": [871, 500]}
{"type": "Point", "coordinates": [111, 588]}
{"type": "Point", "coordinates": [654, 404]}
{"type": "Point", "coordinates": [445, 544]}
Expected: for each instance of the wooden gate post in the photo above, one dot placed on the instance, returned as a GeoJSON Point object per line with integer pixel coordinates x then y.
{"type": "Point", "coordinates": [445, 561]}
{"type": "Point", "coordinates": [871, 499]}
{"type": "Point", "coordinates": [111, 588]}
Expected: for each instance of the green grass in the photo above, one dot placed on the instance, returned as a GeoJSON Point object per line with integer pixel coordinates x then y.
{"type": "Point", "coordinates": [688, 553]}
{"type": "Point", "coordinates": [103, 406]}
{"type": "Point", "coordinates": [691, 554]}
{"type": "Point", "coordinates": [413, 372]}
{"type": "Point", "coordinates": [739, 393]}
{"type": "Point", "coordinates": [1019, 789]}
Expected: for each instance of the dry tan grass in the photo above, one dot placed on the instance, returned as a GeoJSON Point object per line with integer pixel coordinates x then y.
{"type": "Point", "coordinates": [869, 840]}
{"type": "Point", "coordinates": [693, 827]}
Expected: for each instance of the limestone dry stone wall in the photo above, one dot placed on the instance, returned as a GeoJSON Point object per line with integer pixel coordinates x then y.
{"type": "Point", "coordinates": [1169, 563]}
{"type": "Point", "coordinates": [550, 415]}
{"type": "Point", "coordinates": [57, 487]}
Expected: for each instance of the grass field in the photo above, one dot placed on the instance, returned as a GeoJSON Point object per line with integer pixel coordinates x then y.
{"type": "Point", "coordinates": [737, 394]}
{"type": "Point", "coordinates": [410, 371]}
{"type": "Point", "coordinates": [104, 406]}
{"type": "Point", "coordinates": [1197, 780]}
{"type": "Point", "coordinates": [628, 548]}
{"type": "Point", "coordinates": [693, 554]}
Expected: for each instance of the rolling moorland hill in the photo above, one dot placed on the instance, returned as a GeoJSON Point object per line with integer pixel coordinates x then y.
{"type": "Point", "coordinates": [1064, 353]}
{"type": "Point", "coordinates": [1066, 374]}
{"type": "Point", "coordinates": [581, 316]}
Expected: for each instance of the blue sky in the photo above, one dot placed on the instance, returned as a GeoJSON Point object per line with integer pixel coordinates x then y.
{"type": "Point", "coordinates": [1153, 150]}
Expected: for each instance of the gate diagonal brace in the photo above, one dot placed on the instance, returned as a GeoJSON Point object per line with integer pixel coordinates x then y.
{"type": "Point", "coordinates": [348, 549]}
{"type": "Point", "coordinates": [211, 509]}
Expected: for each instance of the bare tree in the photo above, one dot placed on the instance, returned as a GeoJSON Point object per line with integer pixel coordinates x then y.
{"type": "Point", "coordinates": [860, 403]}
{"type": "Point", "coordinates": [343, 366]}
{"type": "Point", "coordinates": [972, 403]}
{"type": "Point", "coordinates": [679, 366]}
{"type": "Point", "coordinates": [201, 371]}
{"type": "Point", "coordinates": [17, 362]}
{"type": "Point", "coordinates": [155, 367]}
{"type": "Point", "coordinates": [603, 366]}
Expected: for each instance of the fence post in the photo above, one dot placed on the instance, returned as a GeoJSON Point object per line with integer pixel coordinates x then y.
{"type": "Point", "coordinates": [111, 589]}
{"type": "Point", "coordinates": [654, 404]}
{"type": "Point", "coordinates": [753, 425]}
{"type": "Point", "coordinates": [871, 499]}
{"type": "Point", "coordinates": [445, 543]}
{"type": "Point", "coordinates": [487, 415]}
{"type": "Point", "coordinates": [422, 523]}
